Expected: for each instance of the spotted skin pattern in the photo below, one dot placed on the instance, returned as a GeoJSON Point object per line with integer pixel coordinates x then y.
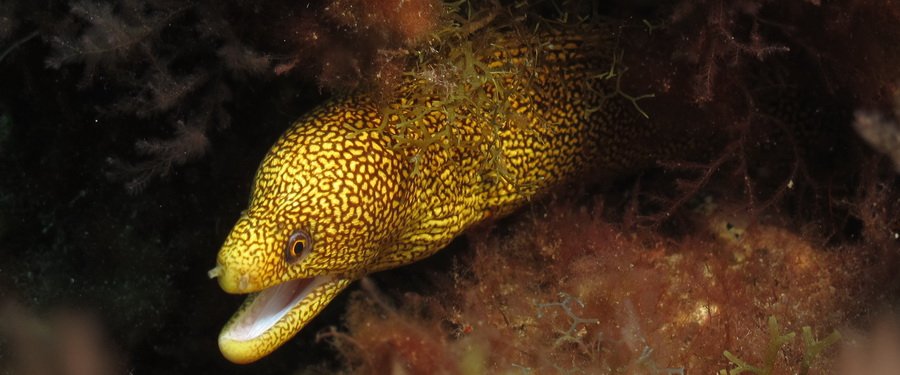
{"type": "Point", "coordinates": [341, 175]}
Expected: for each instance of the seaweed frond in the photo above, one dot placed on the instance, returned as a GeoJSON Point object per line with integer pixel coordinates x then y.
{"type": "Point", "coordinates": [812, 347]}
{"type": "Point", "coordinates": [778, 339]}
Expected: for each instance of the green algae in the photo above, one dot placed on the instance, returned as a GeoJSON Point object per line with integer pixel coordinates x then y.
{"type": "Point", "coordinates": [778, 339]}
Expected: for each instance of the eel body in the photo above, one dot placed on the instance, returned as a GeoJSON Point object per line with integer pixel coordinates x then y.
{"type": "Point", "coordinates": [341, 194]}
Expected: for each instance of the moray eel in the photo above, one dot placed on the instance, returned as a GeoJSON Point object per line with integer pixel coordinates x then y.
{"type": "Point", "coordinates": [338, 197]}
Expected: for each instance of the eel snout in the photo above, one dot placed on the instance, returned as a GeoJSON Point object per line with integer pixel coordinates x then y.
{"type": "Point", "coordinates": [272, 316]}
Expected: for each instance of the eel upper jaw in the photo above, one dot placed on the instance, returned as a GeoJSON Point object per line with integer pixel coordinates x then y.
{"type": "Point", "coordinates": [269, 318]}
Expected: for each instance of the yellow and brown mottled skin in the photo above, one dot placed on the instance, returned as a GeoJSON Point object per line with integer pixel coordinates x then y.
{"type": "Point", "coordinates": [356, 194]}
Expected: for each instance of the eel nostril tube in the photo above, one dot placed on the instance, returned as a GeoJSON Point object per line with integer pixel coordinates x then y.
{"type": "Point", "coordinates": [215, 272]}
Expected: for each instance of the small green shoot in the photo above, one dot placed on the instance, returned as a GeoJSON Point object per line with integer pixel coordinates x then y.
{"type": "Point", "coordinates": [813, 348]}
{"type": "Point", "coordinates": [778, 339]}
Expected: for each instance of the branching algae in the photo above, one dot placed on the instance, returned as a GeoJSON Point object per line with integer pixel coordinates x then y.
{"type": "Point", "coordinates": [812, 348]}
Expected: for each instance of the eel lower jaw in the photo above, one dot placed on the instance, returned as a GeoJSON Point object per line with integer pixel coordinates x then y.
{"type": "Point", "coordinates": [271, 317]}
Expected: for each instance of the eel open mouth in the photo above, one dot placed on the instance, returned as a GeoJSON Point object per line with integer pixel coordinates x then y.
{"type": "Point", "coordinates": [269, 318]}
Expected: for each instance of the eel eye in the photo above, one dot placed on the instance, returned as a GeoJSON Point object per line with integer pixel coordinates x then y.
{"type": "Point", "coordinates": [298, 246]}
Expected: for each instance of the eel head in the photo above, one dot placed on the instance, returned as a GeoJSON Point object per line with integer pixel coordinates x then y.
{"type": "Point", "coordinates": [323, 205]}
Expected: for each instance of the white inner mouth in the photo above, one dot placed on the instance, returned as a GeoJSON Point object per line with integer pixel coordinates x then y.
{"type": "Point", "coordinates": [270, 306]}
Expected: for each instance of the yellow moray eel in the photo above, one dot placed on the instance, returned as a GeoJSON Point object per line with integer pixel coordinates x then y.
{"type": "Point", "coordinates": [337, 196]}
